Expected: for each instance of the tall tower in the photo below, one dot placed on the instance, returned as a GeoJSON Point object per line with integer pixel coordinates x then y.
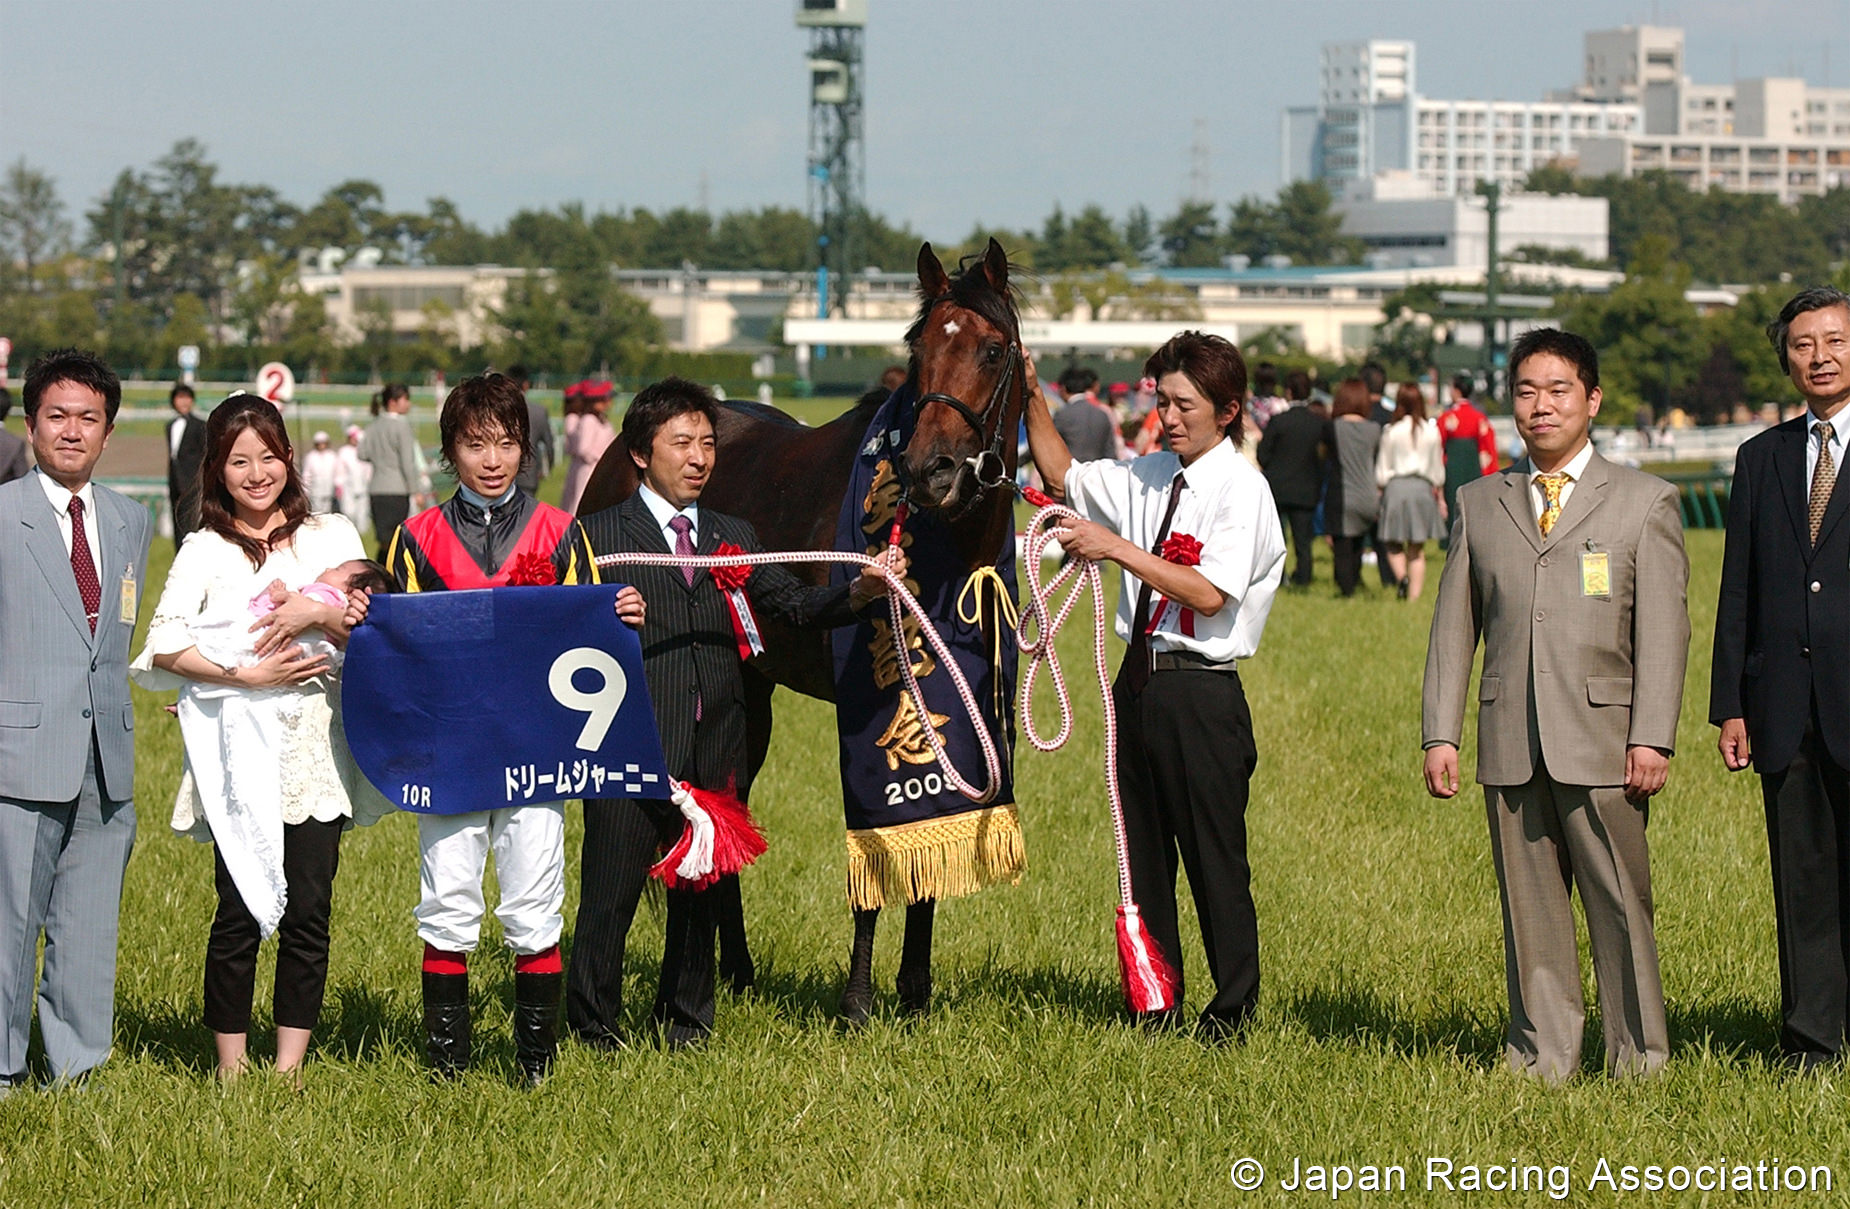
{"type": "Point", "coordinates": [837, 149]}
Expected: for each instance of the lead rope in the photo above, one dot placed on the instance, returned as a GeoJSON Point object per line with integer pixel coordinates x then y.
{"type": "Point", "coordinates": [900, 601]}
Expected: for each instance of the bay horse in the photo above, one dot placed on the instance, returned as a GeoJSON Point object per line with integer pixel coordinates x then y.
{"type": "Point", "coordinates": [788, 480]}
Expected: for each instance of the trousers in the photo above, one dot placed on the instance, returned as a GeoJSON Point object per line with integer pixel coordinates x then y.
{"type": "Point", "coordinates": [529, 846]}
{"type": "Point", "coordinates": [311, 857]}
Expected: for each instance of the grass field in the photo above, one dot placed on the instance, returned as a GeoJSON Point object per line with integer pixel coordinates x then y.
{"type": "Point", "coordinates": [1378, 1040]}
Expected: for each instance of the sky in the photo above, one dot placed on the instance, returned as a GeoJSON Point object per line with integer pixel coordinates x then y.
{"type": "Point", "coordinates": [986, 111]}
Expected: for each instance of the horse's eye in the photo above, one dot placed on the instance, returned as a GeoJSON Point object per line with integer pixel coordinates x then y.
{"type": "Point", "coordinates": [993, 353]}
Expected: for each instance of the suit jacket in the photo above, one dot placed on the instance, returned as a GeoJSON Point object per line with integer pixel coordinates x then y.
{"type": "Point", "coordinates": [58, 681]}
{"type": "Point", "coordinates": [1293, 453]}
{"type": "Point", "coordinates": [688, 648]}
{"type": "Point", "coordinates": [183, 467]}
{"type": "Point", "coordinates": [539, 449]}
{"type": "Point", "coordinates": [1570, 679]}
{"type": "Point", "coordinates": [1782, 624]}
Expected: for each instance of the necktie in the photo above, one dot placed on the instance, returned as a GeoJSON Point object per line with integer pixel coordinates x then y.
{"type": "Point", "coordinates": [683, 543]}
{"type": "Point", "coordinates": [1823, 477]}
{"type": "Point", "coordinates": [84, 567]}
{"type": "Point", "coordinates": [1551, 499]}
{"type": "Point", "coordinates": [1136, 666]}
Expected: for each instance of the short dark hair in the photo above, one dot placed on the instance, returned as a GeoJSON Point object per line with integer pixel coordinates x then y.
{"type": "Point", "coordinates": [1077, 380]}
{"type": "Point", "coordinates": [660, 402]}
{"type": "Point", "coordinates": [1374, 378]}
{"type": "Point", "coordinates": [79, 367]}
{"type": "Point", "coordinates": [373, 577]}
{"type": "Point", "coordinates": [485, 404]}
{"type": "Point", "coordinates": [181, 388]}
{"type": "Point", "coordinates": [1817, 298]}
{"type": "Point", "coordinates": [1213, 364]}
{"type": "Point", "coordinates": [1265, 379]}
{"type": "Point", "coordinates": [1351, 399]}
{"type": "Point", "coordinates": [1297, 385]}
{"type": "Point", "coordinates": [1577, 351]}
{"type": "Point", "coordinates": [1462, 385]}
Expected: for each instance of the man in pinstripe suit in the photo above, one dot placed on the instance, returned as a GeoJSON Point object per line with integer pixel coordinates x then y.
{"type": "Point", "coordinates": [690, 656]}
{"type": "Point", "coordinates": [73, 558]}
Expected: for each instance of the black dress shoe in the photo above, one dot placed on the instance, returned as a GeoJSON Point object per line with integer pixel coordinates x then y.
{"type": "Point", "coordinates": [609, 1043]}
{"type": "Point", "coordinates": [1805, 1062]}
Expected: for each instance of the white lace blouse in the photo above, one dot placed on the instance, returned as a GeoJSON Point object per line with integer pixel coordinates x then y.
{"type": "Point", "coordinates": [210, 575]}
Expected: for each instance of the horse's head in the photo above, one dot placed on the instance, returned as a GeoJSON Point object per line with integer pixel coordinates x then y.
{"type": "Point", "coordinates": [968, 371]}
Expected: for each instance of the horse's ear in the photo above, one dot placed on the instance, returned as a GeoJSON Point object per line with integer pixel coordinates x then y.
{"type": "Point", "coordinates": [996, 266]}
{"type": "Point", "coordinates": [932, 280]}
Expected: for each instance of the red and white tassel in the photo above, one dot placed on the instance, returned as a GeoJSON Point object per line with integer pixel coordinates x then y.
{"type": "Point", "coordinates": [720, 838]}
{"type": "Point", "coordinates": [1149, 981]}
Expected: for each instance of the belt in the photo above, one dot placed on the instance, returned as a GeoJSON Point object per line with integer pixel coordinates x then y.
{"type": "Point", "coordinates": [1188, 661]}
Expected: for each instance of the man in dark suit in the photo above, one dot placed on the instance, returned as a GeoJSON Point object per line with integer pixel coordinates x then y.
{"type": "Point", "coordinates": [538, 464]}
{"type": "Point", "coordinates": [1779, 687]}
{"type": "Point", "coordinates": [73, 558]}
{"type": "Point", "coordinates": [1294, 453]}
{"type": "Point", "coordinates": [691, 658]}
{"type": "Point", "coordinates": [186, 449]}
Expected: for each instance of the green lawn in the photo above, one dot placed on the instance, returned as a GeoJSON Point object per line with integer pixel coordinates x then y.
{"type": "Point", "coordinates": [1379, 1038]}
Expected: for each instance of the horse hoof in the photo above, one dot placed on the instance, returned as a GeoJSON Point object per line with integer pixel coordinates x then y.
{"type": "Point", "coordinates": [914, 995]}
{"type": "Point", "coordinates": [856, 1008]}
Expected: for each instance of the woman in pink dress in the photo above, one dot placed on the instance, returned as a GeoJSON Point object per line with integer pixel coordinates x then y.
{"type": "Point", "coordinates": [586, 439]}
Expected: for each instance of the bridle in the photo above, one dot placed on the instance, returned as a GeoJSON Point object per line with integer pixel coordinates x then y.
{"type": "Point", "coordinates": [988, 468]}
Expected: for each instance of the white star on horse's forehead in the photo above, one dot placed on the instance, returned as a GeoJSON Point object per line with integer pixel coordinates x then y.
{"type": "Point", "coordinates": [951, 327]}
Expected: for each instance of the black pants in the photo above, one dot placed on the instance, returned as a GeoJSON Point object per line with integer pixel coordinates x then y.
{"type": "Point", "coordinates": [1301, 523]}
{"type": "Point", "coordinates": [389, 512]}
{"type": "Point", "coordinates": [184, 508]}
{"type": "Point", "coordinates": [1185, 756]}
{"type": "Point", "coordinates": [311, 855]}
{"type": "Point", "coordinates": [1808, 835]}
{"type": "Point", "coordinates": [1347, 552]}
{"type": "Point", "coordinates": [622, 836]}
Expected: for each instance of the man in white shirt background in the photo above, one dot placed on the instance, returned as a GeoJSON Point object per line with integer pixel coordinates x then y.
{"type": "Point", "coordinates": [186, 449]}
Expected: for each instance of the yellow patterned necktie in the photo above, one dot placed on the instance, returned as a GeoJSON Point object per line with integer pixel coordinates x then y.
{"type": "Point", "coordinates": [1823, 477]}
{"type": "Point", "coordinates": [1551, 499]}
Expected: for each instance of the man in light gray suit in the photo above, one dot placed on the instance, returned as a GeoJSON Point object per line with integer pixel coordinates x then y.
{"type": "Point", "coordinates": [1573, 573]}
{"type": "Point", "coordinates": [73, 562]}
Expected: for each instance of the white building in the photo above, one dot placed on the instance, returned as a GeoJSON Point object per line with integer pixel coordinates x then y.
{"type": "Point", "coordinates": [1403, 225]}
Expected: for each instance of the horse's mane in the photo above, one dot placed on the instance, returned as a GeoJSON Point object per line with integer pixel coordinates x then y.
{"type": "Point", "coordinates": [970, 290]}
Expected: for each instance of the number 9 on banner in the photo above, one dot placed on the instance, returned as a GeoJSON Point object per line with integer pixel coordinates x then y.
{"type": "Point", "coordinates": [602, 705]}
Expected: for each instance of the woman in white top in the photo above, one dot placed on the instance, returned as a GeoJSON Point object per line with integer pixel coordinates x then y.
{"type": "Point", "coordinates": [1410, 470]}
{"type": "Point", "coordinates": [256, 527]}
{"type": "Point", "coordinates": [1197, 535]}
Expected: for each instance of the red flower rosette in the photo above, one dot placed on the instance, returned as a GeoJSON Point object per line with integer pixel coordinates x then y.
{"type": "Point", "coordinates": [731, 581]}
{"type": "Point", "coordinates": [1184, 550]}
{"type": "Point", "coordinates": [532, 571]}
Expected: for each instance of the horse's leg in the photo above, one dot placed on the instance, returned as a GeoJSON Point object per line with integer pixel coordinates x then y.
{"type": "Point", "coordinates": [857, 998]}
{"type": "Point", "coordinates": [735, 956]}
{"type": "Point", "coordinates": [914, 982]}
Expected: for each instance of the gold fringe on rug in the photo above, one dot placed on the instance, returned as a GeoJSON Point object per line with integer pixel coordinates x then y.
{"type": "Point", "coordinates": [935, 858]}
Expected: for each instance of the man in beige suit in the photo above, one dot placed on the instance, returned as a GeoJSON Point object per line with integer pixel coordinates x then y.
{"type": "Point", "coordinates": [1573, 572]}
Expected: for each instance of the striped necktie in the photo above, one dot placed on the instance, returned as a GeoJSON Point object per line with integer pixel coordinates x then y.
{"type": "Point", "coordinates": [1823, 476]}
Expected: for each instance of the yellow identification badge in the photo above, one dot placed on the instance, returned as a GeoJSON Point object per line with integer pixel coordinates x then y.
{"type": "Point", "coordinates": [127, 614]}
{"type": "Point", "coordinates": [1595, 573]}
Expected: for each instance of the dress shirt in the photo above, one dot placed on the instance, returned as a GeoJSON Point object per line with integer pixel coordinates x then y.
{"type": "Point", "coordinates": [1840, 437]}
{"type": "Point", "coordinates": [1410, 447]}
{"type": "Point", "coordinates": [175, 429]}
{"type": "Point", "coordinates": [1227, 506]}
{"type": "Point", "coordinates": [663, 512]}
{"type": "Point", "coordinates": [1576, 468]}
{"type": "Point", "coordinates": [60, 498]}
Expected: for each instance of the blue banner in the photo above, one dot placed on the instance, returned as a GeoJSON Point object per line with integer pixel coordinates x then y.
{"type": "Point", "coordinates": [465, 701]}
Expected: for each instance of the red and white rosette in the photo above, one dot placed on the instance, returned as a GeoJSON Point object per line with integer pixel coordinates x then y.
{"type": "Point", "coordinates": [1184, 551]}
{"type": "Point", "coordinates": [732, 581]}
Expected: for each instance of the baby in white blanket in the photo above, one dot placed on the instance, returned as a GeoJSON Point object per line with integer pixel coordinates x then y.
{"type": "Point", "coordinates": [236, 738]}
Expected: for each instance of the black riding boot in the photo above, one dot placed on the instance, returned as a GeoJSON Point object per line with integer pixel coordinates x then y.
{"type": "Point", "coordinates": [536, 1021]}
{"type": "Point", "coordinates": [446, 1023]}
